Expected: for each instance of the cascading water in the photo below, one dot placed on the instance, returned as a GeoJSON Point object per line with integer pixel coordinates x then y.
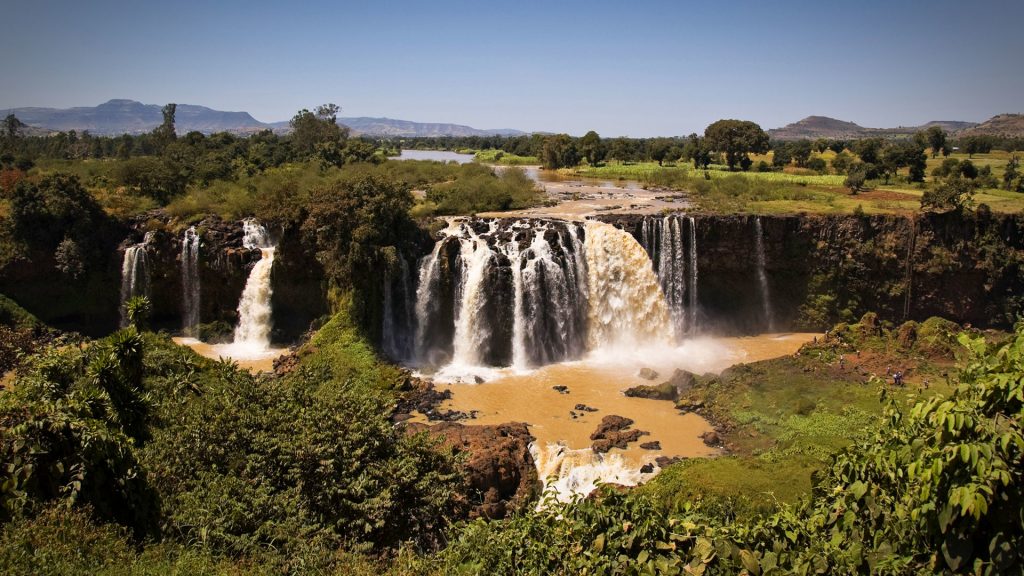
{"type": "Point", "coordinates": [663, 239]}
{"type": "Point", "coordinates": [694, 275]}
{"type": "Point", "coordinates": [502, 293]}
{"type": "Point", "coordinates": [571, 473]}
{"type": "Point", "coordinates": [190, 287]}
{"type": "Point", "coordinates": [526, 293]}
{"type": "Point", "coordinates": [627, 306]}
{"type": "Point", "coordinates": [253, 330]}
{"type": "Point", "coordinates": [134, 274]}
{"type": "Point", "coordinates": [762, 276]}
{"type": "Point", "coordinates": [671, 244]}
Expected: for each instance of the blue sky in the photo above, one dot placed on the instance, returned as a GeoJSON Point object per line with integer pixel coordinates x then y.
{"type": "Point", "coordinates": [638, 68]}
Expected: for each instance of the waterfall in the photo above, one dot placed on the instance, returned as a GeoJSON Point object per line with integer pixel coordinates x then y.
{"type": "Point", "coordinates": [502, 293]}
{"type": "Point", "coordinates": [694, 275]}
{"type": "Point", "coordinates": [627, 306]}
{"type": "Point", "coordinates": [134, 274]}
{"type": "Point", "coordinates": [471, 327]}
{"type": "Point", "coordinates": [663, 240]}
{"type": "Point", "coordinates": [525, 293]}
{"type": "Point", "coordinates": [253, 330]}
{"type": "Point", "coordinates": [190, 288]}
{"type": "Point", "coordinates": [673, 253]}
{"type": "Point", "coordinates": [762, 276]}
{"type": "Point", "coordinates": [572, 473]}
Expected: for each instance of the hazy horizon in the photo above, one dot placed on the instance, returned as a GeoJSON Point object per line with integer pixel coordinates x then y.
{"type": "Point", "coordinates": [656, 69]}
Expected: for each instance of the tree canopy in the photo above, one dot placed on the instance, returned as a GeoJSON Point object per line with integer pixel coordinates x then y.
{"type": "Point", "coordinates": [736, 139]}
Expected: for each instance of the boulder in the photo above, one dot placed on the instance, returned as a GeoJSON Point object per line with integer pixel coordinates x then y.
{"type": "Point", "coordinates": [655, 445]}
{"type": "Point", "coordinates": [647, 374]}
{"type": "Point", "coordinates": [711, 438]}
{"type": "Point", "coordinates": [613, 432]}
{"type": "Point", "coordinates": [680, 383]}
{"type": "Point", "coordinates": [666, 461]}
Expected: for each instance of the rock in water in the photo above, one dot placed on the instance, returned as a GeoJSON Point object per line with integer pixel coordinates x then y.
{"type": "Point", "coordinates": [612, 433]}
{"type": "Point", "coordinates": [647, 374]}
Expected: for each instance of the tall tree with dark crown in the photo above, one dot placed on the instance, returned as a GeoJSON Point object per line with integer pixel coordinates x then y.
{"type": "Point", "coordinates": [736, 139]}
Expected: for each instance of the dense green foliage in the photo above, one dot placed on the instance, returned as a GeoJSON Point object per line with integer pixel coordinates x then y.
{"type": "Point", "coordinates": [480, 190]}
{"type": "Point", "coordinates": [152, 437]}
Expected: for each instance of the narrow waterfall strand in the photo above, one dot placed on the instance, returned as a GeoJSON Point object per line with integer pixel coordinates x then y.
{"type": "Point", "coordinates": [190, 283]}
{"type": "Point", "coordinates": [762, 276]}
{"type": "Point", "coordinates": [254, 311]}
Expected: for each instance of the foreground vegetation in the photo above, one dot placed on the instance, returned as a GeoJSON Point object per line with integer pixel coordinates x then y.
{"type": "Point", "coordinates": [132, 455]}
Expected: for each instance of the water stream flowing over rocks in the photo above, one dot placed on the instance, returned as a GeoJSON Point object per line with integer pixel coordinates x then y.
{"type": "Point", "coordinates": [190, 282]}
{"type": "Point", "coordinates": [135, 277]}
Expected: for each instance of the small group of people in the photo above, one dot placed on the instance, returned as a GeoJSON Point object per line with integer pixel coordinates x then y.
{"type": "Point", "coordinates": [897, 376]}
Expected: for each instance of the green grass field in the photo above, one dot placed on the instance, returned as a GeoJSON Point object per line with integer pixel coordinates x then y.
{"type": "Point", "coordinates": [795, 190]}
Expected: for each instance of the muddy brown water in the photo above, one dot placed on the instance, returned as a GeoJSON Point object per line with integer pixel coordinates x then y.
{"type": "Point", "coordinates": [600, 381]}
{"type": "Point", "coordinates": [253, 361]}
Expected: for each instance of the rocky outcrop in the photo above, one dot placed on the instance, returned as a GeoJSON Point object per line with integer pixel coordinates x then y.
{"type": "Point", "coordinates": [613, 432]}
{"type": "Point", "coordinates": [671, 389]}
{"type": "Point", "coordinates": [224, 266]}
{"type": "Point", "coordinates": [499, 470]}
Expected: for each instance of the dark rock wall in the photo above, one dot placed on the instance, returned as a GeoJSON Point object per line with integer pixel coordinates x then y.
{"type": "Point", "coordinates": [822, 269]}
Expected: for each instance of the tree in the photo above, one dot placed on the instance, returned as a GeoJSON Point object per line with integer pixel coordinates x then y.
{"type": "Point", "coordinates": [166, 133]}
{"type": "Point", "coordinates": [936, 137]}
{"type": "Point", "coordinates": [842, 162]}
{"type": "Point", "coordinates": [968, 169]}
{"type": "Point", "coordinates": [310, 129]}
{"type": "Point", "coordinates": [976, 145]}
{"type": "Point", "coordinates": [817, 164]}
{"type": "Point", "coordinates": [697, 151]}
{"type": "Point", "coordinates": [622, 149]}
{"type": "Point", "coordinates": [801, 151]}
{"type": "Point", "coordinates": [659, 148]}
{"type": "Point", "coordinates": [559, 152]}
{"type": "Point", "coordinates": [782, 154]}
{"type": "Point", "coordinates": [868, 149]}
{"type": "Point", "coordinates": [591, 148]}
{"type": "Point", "coordinates": [12, 127]}
{"type": "Point", "coordinates": [856, 180]}
{"type": "Point", "coordinates": [1010, 173]}
{"type": "Point", "coordinates": [736, 139]}
{"type": "Point", "coordinates": [951, 194]}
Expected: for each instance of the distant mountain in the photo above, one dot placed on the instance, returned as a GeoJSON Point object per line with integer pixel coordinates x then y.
{"type": "Point", "coordinates": [1011, 125]}
{"type": "Point", "coordinates": [814, 127]}
{"type": "Point", "coordinates": [408, 129]}
{"type": "Point", "coordinates": [131, 117]}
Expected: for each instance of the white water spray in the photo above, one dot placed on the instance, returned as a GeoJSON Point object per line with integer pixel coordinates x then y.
{"type": "Point", "coordinates": [568, 473]}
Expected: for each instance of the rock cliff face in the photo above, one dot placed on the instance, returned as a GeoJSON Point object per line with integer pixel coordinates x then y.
{"type": "Point", "coordinates": [793, 271]}
{"type": "Point", "coordinates": [822, 269]}
{"type": "Point", "coordinates": [224, 265]}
